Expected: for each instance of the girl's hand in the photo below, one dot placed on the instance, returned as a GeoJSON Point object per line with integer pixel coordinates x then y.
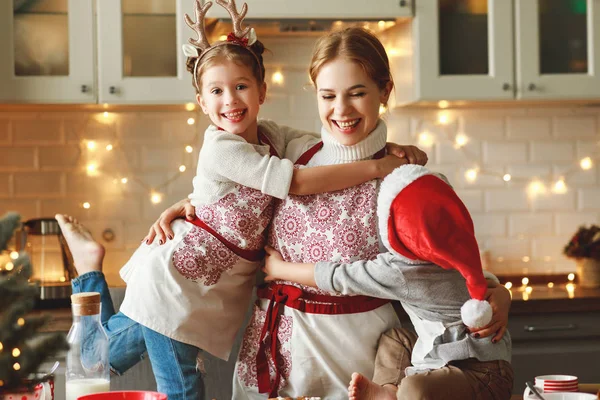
{"type": "Point", "coordinates": [161, 229]}
{"type": "Point", "coordinates": [499, 298]}
{"type": "Point", "coordinates": [273, 262]}
{"type": "Point", "coordinates": [413, 154]}
{"type": "Point", "coordinates": [387, 164]}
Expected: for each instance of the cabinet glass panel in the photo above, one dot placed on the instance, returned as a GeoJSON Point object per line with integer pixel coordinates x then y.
{"type": "Point", "coordinates": [149, 37]}
{"type": "Point", "coordinates": [463, 37]}
{"type": "Point", "coordinates": [41, 37]}
{"type": "Point", "coordinates": [563, 36]}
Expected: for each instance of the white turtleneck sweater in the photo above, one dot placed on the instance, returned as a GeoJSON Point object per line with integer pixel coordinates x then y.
{"type": "Point", "coordinates": [333, 152]}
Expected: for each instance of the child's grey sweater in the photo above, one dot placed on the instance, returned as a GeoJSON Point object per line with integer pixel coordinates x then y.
{"type": "Point", "coordinates": [427, 290]}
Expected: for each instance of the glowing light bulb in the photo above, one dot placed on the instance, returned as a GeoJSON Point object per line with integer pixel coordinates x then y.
{"type": "Point", "coordinates": [106, 114]}
{"type": "Point", "coordinates": [223, 38]}
{"type": "Point", "coordinates": [571, 277]}
{"type": "Point", "coordinates": [535, 188]}
{"type": "Point", "coordinates": [156, 198]}
{"type": "Point", "coordinates": [382, 109]}
{"type": "Point", "coordinates": [189, 149]}
{"type": "Point", "coordinates": [460, 140]}
{"type": "Point", "coordinates": [190, 106]}
{"type": "Point", "coordinates": [443, 118]}
{"type": "Point", "coordinates": [16, 366]}
{"type": "Point", "coordinates": [9, 266]}
{"type": "Point", "coordinates": [525, 281]}
{"type": "Point", "coordinates": [21, 321]}
{"type": "Point", "coordinates": [443, 104]}
{"type": "Point", "coordinates": [277, 78]}
{"type": "Point", "coordinates": [550, 285]}
{"type": "Point", "coordinates": [528, 289]}
{"type": "Point", "coordinates": [525, 296]}
{"type": "Point", "coordinates": [182, 168]}
{"type": "Point", "coordinates": [191, 121]}
{"type": "Point", "coordinates": [525, 259]}
{"type": "Point", "coordinates": [14, 255]}
{"type": "Point", "coordinates": [1, 346]}
{"type": "Point", "coordinates": [559, 187]}
{"type": "Point", "coordinates": [508, 285]}
{"type": "Point", "coordinates": [124, 180]}
{"type": "Point", "coordinates": [425, 139]}
{"type": "Point", "coordinates": [91, 145]}
{"type": "Point", "coordinates": [507, 177]}
{"type": "Point", "coordinates": [471, 175]}
{"type": "Point", "coordinates": [86, 205]}
{"type": "Point", "coordinates": [109, 147]}
{"type": "Point", "coordinates": [63, 279]}
{"type": "Point", "coordinates": [92, 169]}
{"type": "Point", "coordinates": [381, 24]}
{"type": "Point", "coordinates": [586, 163]}
{"type": "Point", "coordinates": [16, 352]}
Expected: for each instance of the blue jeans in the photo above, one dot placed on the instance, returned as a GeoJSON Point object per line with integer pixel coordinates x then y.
{"type": "Point", "coordinates": [173, 362]}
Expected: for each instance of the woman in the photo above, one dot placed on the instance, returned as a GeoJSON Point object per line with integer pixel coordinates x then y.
{"type": "Point", "coordinates": [301, 341]}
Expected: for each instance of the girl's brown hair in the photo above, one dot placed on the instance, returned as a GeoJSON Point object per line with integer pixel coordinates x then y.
{"type": "Point", "coordinates": [357, 45]}
{"type": "Point", "coordinates": [250, 57]}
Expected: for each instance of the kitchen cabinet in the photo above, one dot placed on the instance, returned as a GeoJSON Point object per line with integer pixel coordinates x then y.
{"type": "Point", "coordinates": [329, 9]}
{"type": "Point", "coordinates": [555, 343]}
{"type": "Point", "coordinates": [482, 50]}
{"type": "Point", "coordinates": [129, 52]}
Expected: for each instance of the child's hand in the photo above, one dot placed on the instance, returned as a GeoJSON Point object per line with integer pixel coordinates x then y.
{"type": "Point", "coordinates": [273, 261]}
{"type": "Point", "coordinates": [499, 298]}
{"type": "Point", "coordinates": [412, 154]}
{"type": "Point", "coordinates": [389, 163]}
{"type": "Point", "coordinates": [161, 229]}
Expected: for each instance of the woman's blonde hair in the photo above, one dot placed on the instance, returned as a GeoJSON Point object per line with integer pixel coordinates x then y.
{"type": "Point", "coordinates": [357, 45]}
{"type": "Point", "coordinates": [250, 57]}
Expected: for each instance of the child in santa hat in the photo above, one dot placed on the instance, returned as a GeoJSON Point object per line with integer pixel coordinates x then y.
{"type": "Point", "coordinates": [433, 268]}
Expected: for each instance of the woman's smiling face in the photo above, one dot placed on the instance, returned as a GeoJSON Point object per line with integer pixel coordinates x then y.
{"type": "Point", "coordinates": [348, 100]}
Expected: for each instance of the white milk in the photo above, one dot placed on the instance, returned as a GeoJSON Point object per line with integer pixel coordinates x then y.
{"type": "Point", "coordinates": [81, 387]}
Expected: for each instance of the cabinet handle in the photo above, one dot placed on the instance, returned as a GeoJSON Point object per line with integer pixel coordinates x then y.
{"type": "Point", "coordinates": [531, 87]}
{"type": "Point", "coordinates": [85, 88]}
{"type": "Point", "coordinates": [549, 328]}
{"type": "Point", "coordinates": [506, 86]}
{"type": "Point", "coordinates": [402, 3]}
{"type": "Point", "coordinates": [112, 89]}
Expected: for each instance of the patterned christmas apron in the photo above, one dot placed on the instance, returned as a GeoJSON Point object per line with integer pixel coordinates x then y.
{"type": "Point", "coordinates": [196, 288]}
{"type": "Point", "coordinates": [303, 341]}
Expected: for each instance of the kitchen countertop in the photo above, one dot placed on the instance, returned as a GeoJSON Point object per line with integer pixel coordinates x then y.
{"type": "Point", "coordinates": [541, 300]}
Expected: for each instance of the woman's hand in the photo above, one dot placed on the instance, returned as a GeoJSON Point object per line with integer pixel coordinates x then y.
{"type": "Point", "coordinates": [387, 164]}
{"type": "Point", "coordinates": [161, 229]}
{"type": "Point", "coordinates": [273, 261]}
{"type": "Point", "coordinates": [413, 154]}
{"type": "Point", "coordinates": [499, 298]}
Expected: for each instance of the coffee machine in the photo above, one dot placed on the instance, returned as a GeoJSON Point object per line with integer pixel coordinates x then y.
{"type": "Point", "coordinates": [51, 259]}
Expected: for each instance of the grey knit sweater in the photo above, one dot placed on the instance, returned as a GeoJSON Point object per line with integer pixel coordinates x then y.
{"type": "Point", "coordinates": [427, 292]}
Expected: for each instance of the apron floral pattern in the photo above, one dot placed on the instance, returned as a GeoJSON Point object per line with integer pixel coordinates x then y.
{"type": "Point", "coordinates": [240, 217]}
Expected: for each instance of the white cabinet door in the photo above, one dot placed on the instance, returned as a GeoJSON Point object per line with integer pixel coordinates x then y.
{"type": "Point", "coordinates": [139, 52]}
{"type": "Point", "coordinates": [558, 49]}
{"type": "Point", "coordinates": [47, 51]}
{"type": "Point", "coordinates": [463, 50]}
{"type": "Point", "coordinates": [330, 9]}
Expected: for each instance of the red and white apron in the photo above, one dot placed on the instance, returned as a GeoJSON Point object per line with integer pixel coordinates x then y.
{"type": "Point", "coordinates": [303, 341]}
{"type": "Point", "coordinates": [196, 288]}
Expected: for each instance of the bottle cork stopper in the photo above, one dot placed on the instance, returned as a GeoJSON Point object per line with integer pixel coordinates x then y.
{"type": "Point", "coordinates": [86, 303]}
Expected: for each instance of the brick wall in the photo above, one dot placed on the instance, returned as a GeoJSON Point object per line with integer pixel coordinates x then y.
{"type": "Point", "coordinates": [43, 159]}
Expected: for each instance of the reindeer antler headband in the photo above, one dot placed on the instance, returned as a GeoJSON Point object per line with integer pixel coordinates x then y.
{"type": "Point", "coordinates": [240, 36]}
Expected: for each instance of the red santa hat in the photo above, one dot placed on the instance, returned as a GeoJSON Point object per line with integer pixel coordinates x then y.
{"type": "Point", "coordinates": [422, 220]}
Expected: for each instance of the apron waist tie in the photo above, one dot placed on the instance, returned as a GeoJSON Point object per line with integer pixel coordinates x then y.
{"type": "Point", "coordinates": [291, 296]}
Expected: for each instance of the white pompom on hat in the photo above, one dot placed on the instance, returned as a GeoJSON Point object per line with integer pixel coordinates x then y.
{"type": "Point", "coordinates": [422, 220]}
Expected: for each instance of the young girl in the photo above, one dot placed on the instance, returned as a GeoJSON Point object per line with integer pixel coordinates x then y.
{"type": "Point", "coordinates": [190, 294]}
{"type": "Point", "coordinates": [433, 268]}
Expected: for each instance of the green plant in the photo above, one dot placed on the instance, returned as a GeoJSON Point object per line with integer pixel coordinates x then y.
{"type": "Point", "coordinates": [22, 347]}
{"type": "Point", "coordinates": [585, 243]}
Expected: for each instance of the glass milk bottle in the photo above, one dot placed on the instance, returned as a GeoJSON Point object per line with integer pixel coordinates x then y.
{"type": "Point", "coordinates": [88, 368]}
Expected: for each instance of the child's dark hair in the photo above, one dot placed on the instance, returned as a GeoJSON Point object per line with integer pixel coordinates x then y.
{"type": "Point", "coordinates": [250, 57]}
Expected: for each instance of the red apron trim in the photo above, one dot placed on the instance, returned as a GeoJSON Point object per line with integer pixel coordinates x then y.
{"type": "Point", "coordinates": [262, 138]}
{"type": "Point", "coordinates": [296, 298]}
{"type": "Point", "coordinates": [250, 255]}
{"type": "Point", "coordinates": [308, 154]}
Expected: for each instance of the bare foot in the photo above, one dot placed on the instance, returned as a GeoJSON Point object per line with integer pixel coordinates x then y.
{"type": "Point", "coordinates": [362, 388]}
{"type": "Point", "coordinates": [87, 253]}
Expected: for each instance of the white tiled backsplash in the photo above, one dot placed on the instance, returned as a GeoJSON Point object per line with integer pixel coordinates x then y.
{"type": "Point", "coordinates": [43, 163]}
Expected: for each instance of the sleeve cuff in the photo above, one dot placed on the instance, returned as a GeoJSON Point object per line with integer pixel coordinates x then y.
{"type": "Point", "coordinates": [324, 276]}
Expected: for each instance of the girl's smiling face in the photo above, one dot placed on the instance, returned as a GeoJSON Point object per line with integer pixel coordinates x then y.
{"type": "Point", "coordinates": [231, 97]}
{"type": "Point", "coordinates": [348, 100]}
